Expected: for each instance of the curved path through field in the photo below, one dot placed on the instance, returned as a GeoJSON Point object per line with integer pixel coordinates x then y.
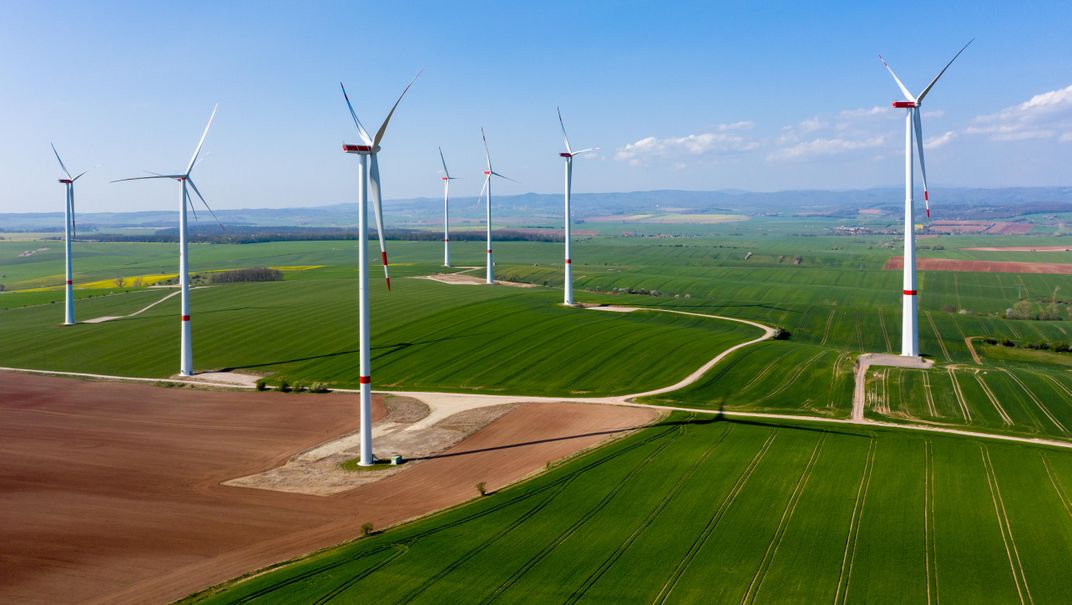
{"type": "Point", "coordinates": [442, 402]}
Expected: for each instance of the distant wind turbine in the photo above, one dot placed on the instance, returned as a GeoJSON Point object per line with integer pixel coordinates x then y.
{"type": "Point", "coordinates": [70, 231]}
{"type": "Point", "coordinates": [186, 361]}
{"type": "Point", "coordinates": [569, 154]}
{"type": "Point", "coordinates": [488, 173]}
{"type": "Point", "coordinates": [913, 124]}
{"type": "Point", "coordinates": [368, 178]}
{"type": "Point", "coordinates": [446, 209]}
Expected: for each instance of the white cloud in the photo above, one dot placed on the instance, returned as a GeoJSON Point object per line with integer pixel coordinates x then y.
{"type": "Point", "coordinates": [868, 112]}
{"type": "Point", "coordinates": [721, 141]}
{"type": "Point", "coordinates": [825, 147]}
{"type": "Point", "coordinates": [940, 141]}
{"type": "Point", "coordinates": [1043, 116]}
{"type": "Point", "coordinates": [1066, 137]}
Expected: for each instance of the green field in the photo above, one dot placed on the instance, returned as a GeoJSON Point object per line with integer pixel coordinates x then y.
{"type": "Point", "coordinates": [702, 511]}
{"type": "Point", "coordinates": [691, 510]}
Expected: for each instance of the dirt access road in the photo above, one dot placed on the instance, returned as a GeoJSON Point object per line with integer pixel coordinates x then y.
{"type": "Point", "coordinates": [111, 492]}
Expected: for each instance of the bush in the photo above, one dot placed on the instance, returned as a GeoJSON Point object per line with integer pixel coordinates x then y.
{"type": "Point", "coordinates": [299, 387]}
{"type": "Point", "coordinates": [367, 529]}
{"type": "Point", "coordinates": [319, 387]}
{"type": "Point", "coordinates": [262, 385]}
{"type": "Point", "coordinates": [245, 275]}
{"type": "Point", "coordinates": [482, 488]}
{"type": "Point", "coordinates": [284, 386]}
{"type": "Point", "coordinates": [781, 334]}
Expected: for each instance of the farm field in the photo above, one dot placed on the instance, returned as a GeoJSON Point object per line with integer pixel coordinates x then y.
{"type": "Point", "coordinates": [1013, 400]}
{"type": "Point", "coordinates": [836, 303]}
{"type": "Point", "coordinates": [699, 511]}
{"type": "Point", "coordinates": [428, 336]}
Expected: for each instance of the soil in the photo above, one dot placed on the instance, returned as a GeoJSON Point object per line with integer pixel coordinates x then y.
{"type": "Point", "coordinates": [1022, 249]}
{"type": "Point", "coordinates": [983, 266]}
{"type": "Point", "coordinates": [113, 492]}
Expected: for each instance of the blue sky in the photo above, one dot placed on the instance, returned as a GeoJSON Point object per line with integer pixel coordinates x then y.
{"type": "Point", "coordinates": [751, 95]}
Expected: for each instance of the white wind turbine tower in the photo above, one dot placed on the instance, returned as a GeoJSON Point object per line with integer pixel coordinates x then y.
{"type": "Point", "coordinates": [186, 360]}
{"type": "Point", "coordinates": [446, 209]}
{"type": "Point", "coordinates": [909, 326]}
{"type": "Point", "coordinates": [568, 154]}
{"type": "Point", "coordinates": [70, 231]}
{"type": "Point", "coordinates": [487, 186]}
{"type": "Point", "coordinates": [368, 177]}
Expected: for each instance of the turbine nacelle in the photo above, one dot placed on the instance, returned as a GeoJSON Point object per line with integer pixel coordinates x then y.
{"type": "Point", "coordinates": [905, 104]}
{"type": "Point", "coordinates": [360, 149]}
{"type": "Point", "coordinates": [66, 181]}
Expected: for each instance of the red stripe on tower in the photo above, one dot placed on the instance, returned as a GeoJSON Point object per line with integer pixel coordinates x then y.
{"type": "Point", "coordinates": [910, 292]}
{"type": "Point", "coordinates": [185, 318]}
{"type": "Point", "coordinates": [567, 261]}
{"type": "Point", "coordinates": [489, 250]}
{"type": "Point", "coordinates": [69, 282]}
{"type": "Point", "coordinates": [365, 380]}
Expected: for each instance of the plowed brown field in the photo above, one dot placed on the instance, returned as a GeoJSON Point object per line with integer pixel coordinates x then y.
{"type": "Point", "coordinates": [111, 492]}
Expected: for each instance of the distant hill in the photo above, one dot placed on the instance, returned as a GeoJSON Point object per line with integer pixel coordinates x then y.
{"type": "Point", "coordinates": [967, 203]}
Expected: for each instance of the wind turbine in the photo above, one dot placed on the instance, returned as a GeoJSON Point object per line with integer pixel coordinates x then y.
{"type": "Point", "coordinates": [487, 186]}
{"type": "Point", "coordinates": [368, 177]}
{"type": "Point", "coordinates": [186, 360]}
{"type": "Point", "coordinates": [568, 154]}
{"type": "Point", "coordinates": [909, 327]}
{"type": "Point", "coordinates": [446, 210]}
{"type": "Point", "coordinates": [69, 232]}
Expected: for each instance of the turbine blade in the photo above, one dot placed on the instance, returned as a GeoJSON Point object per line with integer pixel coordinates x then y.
{"type": "Point", "coordinates": [585, 150]}
{"type": "Point", "coordinates": [383, 127]}
{"type": "Point", "coordinates": [377, 209]}
{"type": "Point", "coordinates": [65, 171]}
{"type": "Point", "coordinates": [569, 149]}
{"type": "Point", "coordinates": [900, 84]}
{"type": "Point", "coordinates": [502, 176]}
{"type": "Point", "coordinates": [918, 127]}
{"type": "Point", "coordinates": [480, 197]}
{"type": "Point", "coordinates": [155, 176]}
{"type": "Point", "coordinates": [935, 80]}
{"type": "Point", "coordinates": [487, 154]}
{"type": "Point", "coordinates": [79, 176]}
{"type": "Point", "coordinates": [204, 134]}
{"type": "Point", "coordinates": [360, 129]}
{"type": "Point", "coordinates": [198, 192]}
{"type": "Point", "coordinates": [442, 159]}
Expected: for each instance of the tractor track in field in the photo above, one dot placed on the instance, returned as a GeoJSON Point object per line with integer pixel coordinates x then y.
{"type": "Point", "coordinates": [576, 525]}
{"type": "Point", "coordinates": [558, 487]}
{"type": "Point", "coordinates": [1005, 418]}
{"type": "Point", "coordinates": [938, 336]}
{"type": "Point", "coordinates": [885, 334]}
{"type": "Point", "coordinates": [848, 558]}
{"type": "Point", "coordinates": [709, 528]}
{"type": "Point", "coordinates": [783, 523]}
{"type": "Point", "coordinates": [1056, 484]}
{"type": "Point", "coordinates": [596, 574]}
{"type": "Point", "coordinates": [1036, 400]}
{"type": "Point", "coordinates": [1016, 566]}
{"type": "Point", "coordinates": [930, 550]}
{"type": "Point", "coordinates": [965, 411]}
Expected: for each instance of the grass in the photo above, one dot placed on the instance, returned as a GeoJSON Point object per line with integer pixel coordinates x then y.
{"type": "Point", "coordinates": [774, 513]}
{"type": "Point", "coordinates": [427, 336]}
